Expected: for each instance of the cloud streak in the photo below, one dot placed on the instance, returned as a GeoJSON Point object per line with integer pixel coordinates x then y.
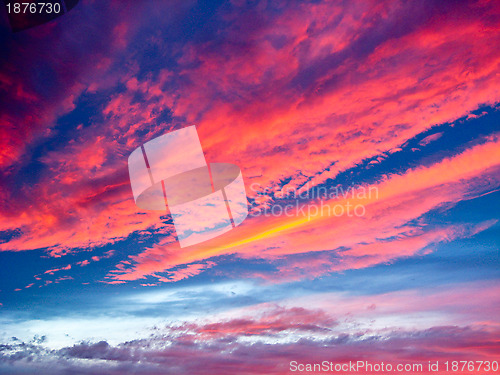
{"type": "Point", "coordinates": [386, 231]}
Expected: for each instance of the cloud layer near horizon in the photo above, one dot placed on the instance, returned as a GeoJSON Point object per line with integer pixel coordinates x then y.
{"type": "Point", "coordinates": [398, 328]}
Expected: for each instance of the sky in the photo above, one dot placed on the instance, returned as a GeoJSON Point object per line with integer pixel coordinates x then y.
{"type": "Point", "coordinates": [368, 138]}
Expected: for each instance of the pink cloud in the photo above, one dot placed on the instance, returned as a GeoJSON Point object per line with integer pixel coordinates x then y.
{"type": "Point", "coordinates": [430, 138]}
{"type": "Point", "coordinates": [51, 272]}
{"type": "Point", "coordinates": [381, 235]}
{"type": "Point", "coordinates": [185, 272]}
{"type": "Point", "coordinates": [333, 92]}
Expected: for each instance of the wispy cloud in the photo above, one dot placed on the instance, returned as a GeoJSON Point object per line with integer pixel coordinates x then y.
{"type": "Point", "coordinates": [386, 232]}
